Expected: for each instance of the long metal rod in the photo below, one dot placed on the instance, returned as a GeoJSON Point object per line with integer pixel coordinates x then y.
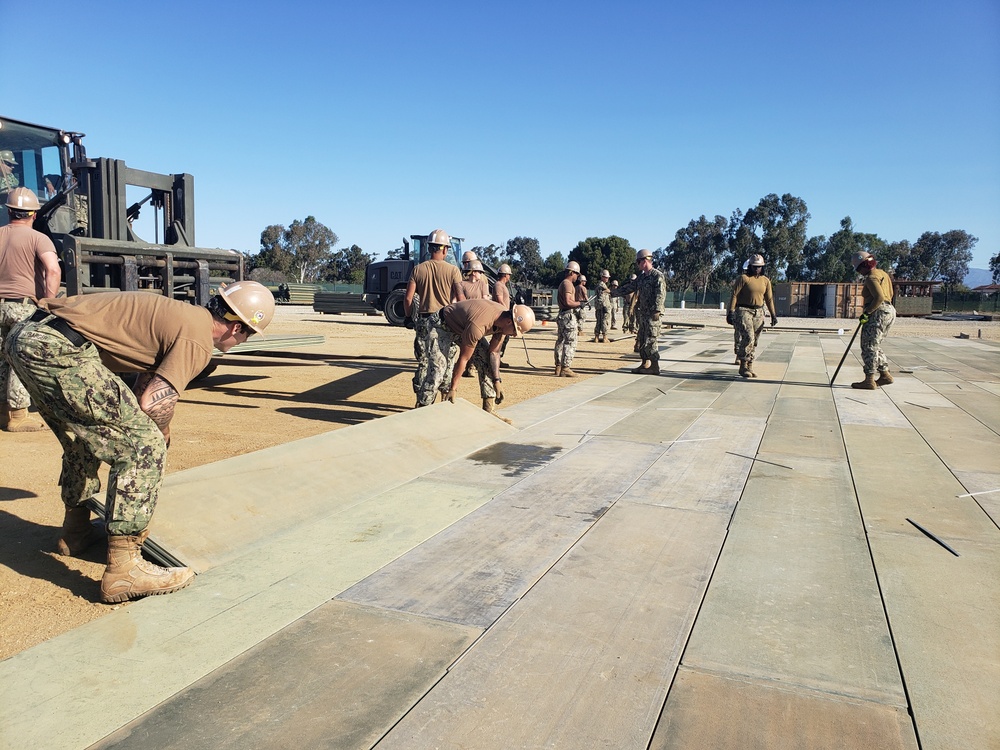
{"type": "Point", "coordinates": [931, 536]}
{"type": "Point", "coordinates": [837, 371]}
{"type": "Point", "coordinates": [526, 351]}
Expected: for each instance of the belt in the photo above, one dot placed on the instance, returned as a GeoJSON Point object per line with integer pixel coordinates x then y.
{"type": "Point", "coordinates": [60, 326]}
{"type": "Point", "coordinates": [18, 299]}
{"type": "Point", "coordinates": [751, 307]}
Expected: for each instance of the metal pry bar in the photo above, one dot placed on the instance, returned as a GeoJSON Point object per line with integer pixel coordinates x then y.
{"type": "Point", "coordinates": [927, 533]}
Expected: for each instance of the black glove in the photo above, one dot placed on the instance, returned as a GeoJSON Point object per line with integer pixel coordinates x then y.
{"type": "Point", "coordinates": [774, 322]}
{"type": "Point", "coordinates": [499, 391]}
{"type": "Point", "coordinates": [408, 322]}
{"type": "Point", "coordinates": [729, 318]}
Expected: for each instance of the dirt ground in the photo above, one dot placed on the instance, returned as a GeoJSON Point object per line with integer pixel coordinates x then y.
{"type": "Point", "coordinates": [362, 371]}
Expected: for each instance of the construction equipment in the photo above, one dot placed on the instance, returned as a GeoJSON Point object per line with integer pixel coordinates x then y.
{"type": "Point", "coordinates": [386, 280]}
{"type": "Point", "coordinates": [87, 215]}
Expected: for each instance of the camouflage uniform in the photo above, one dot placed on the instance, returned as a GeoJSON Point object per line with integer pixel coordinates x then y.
{"type": "Point", "coordinates": [96, 419]}
{"type": "Point", "coordinates": [439, 353]}
{"type": "Point", "coordinates": [872, 333]}
{"type": "Point", "coordinates": [11, 389]}
{"type": "Point", "coordinates": [602, 304]}
{"type": "Point", "coordinates": [616, 306]}
{"type": "Point", "coordinates": [649, 292]}
{"type": "Point", "coordinates": [748, 323]}
{"type": "Point", "coordinates": [566, 338]}
{"type": "Point", "coordinates": [628, 310]}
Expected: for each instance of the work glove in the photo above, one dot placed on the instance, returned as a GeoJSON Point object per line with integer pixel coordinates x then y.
{"type": "Point", "coordinates": [863, 318]}
{"type": "Point", "coordinates": [408, 322]}
{"type": "Point", "coordinates": [729, 318]}
{"type": "Point", "coordinates": [499, 391]}
{"type": "Point", "coordinates": [452, 395]}
{"type": "Point", "coordinates": [774, 322]}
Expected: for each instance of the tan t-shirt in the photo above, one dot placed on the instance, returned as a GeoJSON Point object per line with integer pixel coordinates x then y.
{"type": "Point", "coordinates": [501, 293]}
{"type": "Point", "coordinates": [472, 319]}
{"type": "Point", "coordinates": [476, 289]}
{"type": "Point", "coordinates": [434, 280]}
{"type": "Point", "coordinates": [876, 290]}
{"type": "Point", "coordinates": [21, 250]}
{"type": "Point", "coordinates": [754, 291]}
{"type": "Point", "coordinates": [142, 332]}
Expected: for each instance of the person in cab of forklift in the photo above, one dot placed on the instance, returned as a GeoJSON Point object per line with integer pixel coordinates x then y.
{"type": "Point", "coordinates": [469, 323]}
{"type": "Point", "coordinates": [29, 270]}
{"type": "Point", "coordinates": [602, 306]}
{"type": "Point", "coordinates": [649, 290]}
{"type": "Point", "coordinates": [8, 180]}
{"type": "Point", "coordinates": [877, 318]}
{"type": "Point", "coordinates": [566, 322]}
{"type": "Point", "coordinates": [69, 355]}
{"type": "Point", "coordinates": [751, 292]}
{"type": "Point", "coordinates": [437, 283]}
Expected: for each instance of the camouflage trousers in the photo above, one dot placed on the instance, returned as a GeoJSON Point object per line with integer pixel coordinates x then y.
{"type": "Point", "coordinates": [12, 391]}
{"type": "Point", "coordinates": [481, 361]}
{"type": "Point", "coordinates": [96, 419]}
{"type": "Point", "coordinates": [749, 324]}
{"type": "Point", "coordinates": [628, 312]}
{"type": "Point", "coordinates": [872, 333]}
{"type": "Point", "coordinates": [615, 307]}
{"type": "Point", "coordinates": [436, 354]}
{"type": "Point", "coordinates": [601, 326]}
{"type": "Point", "coordinates": [565, 338]}
{"type": "Point", "coordinates": [647, 337]}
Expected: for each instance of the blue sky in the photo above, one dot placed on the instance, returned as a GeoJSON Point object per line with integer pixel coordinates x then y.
{"type": "Point", "coordinates": [552, 120]}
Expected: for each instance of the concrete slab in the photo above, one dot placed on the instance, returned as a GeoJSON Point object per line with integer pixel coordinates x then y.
{"type": "Point", "coordinates": [584, 659]}
{"type": "Point", "coordinates": [338, 677]}
{"type": "Point", "coordinates": [747, 713]}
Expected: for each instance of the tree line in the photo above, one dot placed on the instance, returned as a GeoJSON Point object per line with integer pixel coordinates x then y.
{"type": "Point", "coordinates": [706, 255]}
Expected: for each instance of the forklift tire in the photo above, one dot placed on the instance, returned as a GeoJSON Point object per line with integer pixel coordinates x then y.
{"type": "Point", "coordinates": [394, 307]}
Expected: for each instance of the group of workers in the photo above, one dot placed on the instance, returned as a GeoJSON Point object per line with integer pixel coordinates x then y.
{"type": "Point", "coordinates": [66, 355]}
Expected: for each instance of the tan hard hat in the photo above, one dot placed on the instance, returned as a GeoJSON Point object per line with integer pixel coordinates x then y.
{"type": "Point", "coordinates": [643, 254]}
{"type": "Point", "coordinates": [583, 279]}
{"type": "Point", "coordinates": [504, 269]}
{"type": "Point", "coordinates": [632, 277]}
{"type": "Point", "coordinates": [468, 256]}
{"type": "Point", "coordinates": [524, 318]}
{"type": "Point", "coordinates": [22, 199]}
{"type": "Point", "coordinates": [8, 157]}
{"type": "Point", "coordinates": [859, 257]}
{"type": "Point", "coordinates": [614, 283]}
{"type": "Point", "coordinates": [475, 265]}
{"type": "Point", "coordinates": [251, 301]}
{"type": "Point", "coordinates": [573, 266]}
{"type": "Point", "coordinates": [605, 274]}
{"type": "Point", "coordinates": [756, 260]}
{"type": "Point", "coordinates": [439, 237]}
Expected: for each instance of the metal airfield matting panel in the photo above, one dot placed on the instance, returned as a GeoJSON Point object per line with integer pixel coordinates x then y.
{"type": "Point", "coordinates": [593, 588]}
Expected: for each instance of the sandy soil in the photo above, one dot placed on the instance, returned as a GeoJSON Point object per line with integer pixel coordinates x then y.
{"type": "Point", "coordinates": [363, 371]}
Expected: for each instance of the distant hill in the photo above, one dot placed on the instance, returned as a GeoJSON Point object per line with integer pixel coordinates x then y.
{"type": "Point", "coordinates": [978, 277]}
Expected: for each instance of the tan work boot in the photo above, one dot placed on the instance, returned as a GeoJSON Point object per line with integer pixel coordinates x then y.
{"type": "Point", "coordinates": [489, 406]}
{"type": "Point", "coordinates": [868, 384]}
{"type": "Point", "coordinates": [558, 370]}
{"type": "Point", "coordinates": [743, 368]}
{"type": "Point", "coordinates": [593, 340]}
{"type": "Point", "coordinates": [884, 378]}
{"type": "Point", "coordinates": [654, 368]}
{"type": "Point", "coordinates": [641, 369]}
{"type": "Point", "coordinates": [78, 533]}
{"type": "Point", "coordinates": [19, 421]}
{"type": "Point", "coordinates": [748, 366]}
{"type": "Point", "coordinates": [568, 373]}
{"type": "Point", "coordinates": [129, 576]}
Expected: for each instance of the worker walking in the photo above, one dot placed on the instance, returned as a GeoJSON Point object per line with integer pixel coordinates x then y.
{"type": "Point", "coordinates": [649, 290]}
{"type": "Point", "coordinates": [566, 322]}
{"type": "Point", "coordinates": [437, 283]}
{"type": "Point", "coordinates": [751, 293]}
{"type": "Point", "coordinates": [602, 306]}
{"type": "Point", "coordinates": [29, 270]}
{"type": "Point", "coordinates": [69, 354]}
{"type": "Point", "coordinates": [469, 323]}
{"type": "Point", "coordinates": [877, 318]}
